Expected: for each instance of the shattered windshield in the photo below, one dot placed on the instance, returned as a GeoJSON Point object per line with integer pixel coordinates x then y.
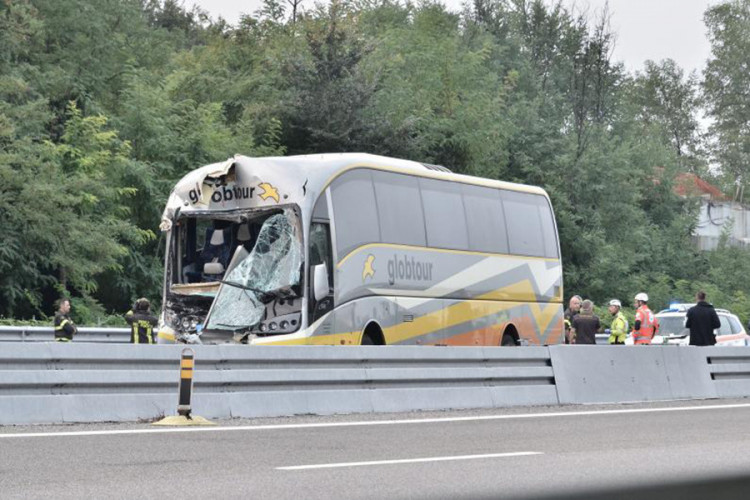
{"type": "Point", "coordinates": [271, 268]}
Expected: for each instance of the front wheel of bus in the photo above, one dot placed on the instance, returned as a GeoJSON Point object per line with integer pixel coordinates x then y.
{"type": "Point", "coordinates": [373, 335]}
{"type": "Point", "coordinates": [509, 340]}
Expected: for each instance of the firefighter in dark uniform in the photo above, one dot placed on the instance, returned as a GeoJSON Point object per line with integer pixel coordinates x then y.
{"type": "Point", "coordinates": [141, 322]}
{"type": "Point", "coordinates": [64, 326]}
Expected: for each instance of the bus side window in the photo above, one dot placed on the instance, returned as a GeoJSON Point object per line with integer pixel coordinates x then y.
{"type": "Point", "coordinates": [320, 253]}
{"type": "Point", "coordinates": [354, 210]}
{"type": "Point", "coordinates": [530, 228]}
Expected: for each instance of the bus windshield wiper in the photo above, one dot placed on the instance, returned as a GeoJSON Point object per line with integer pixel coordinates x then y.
{"type": "Point", "coordinates": [243, 287]}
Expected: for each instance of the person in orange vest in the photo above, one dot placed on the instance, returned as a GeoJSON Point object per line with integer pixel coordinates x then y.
{"type": "Point", "coordinates": [645, 323]}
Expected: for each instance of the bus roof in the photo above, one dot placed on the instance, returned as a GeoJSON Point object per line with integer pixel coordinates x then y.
{"type": "Point", "coordinates": [243, 182]}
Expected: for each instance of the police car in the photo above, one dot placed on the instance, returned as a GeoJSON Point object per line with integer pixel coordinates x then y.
{"type": "Point", "coordinates": [672, 327]}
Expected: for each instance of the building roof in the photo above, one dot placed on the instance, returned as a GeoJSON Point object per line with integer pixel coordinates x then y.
{"type": "Point", "coordinates": [688, 184]}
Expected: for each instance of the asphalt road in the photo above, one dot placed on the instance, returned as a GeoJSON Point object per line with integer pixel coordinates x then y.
{"type": "Point", "coordinates": [513, 453]}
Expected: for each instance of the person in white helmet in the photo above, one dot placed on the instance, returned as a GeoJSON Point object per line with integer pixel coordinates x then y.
{"type": "Point", "coordinates": [619, 327]}
{"type": "Point", "coordinates": [645, 322]}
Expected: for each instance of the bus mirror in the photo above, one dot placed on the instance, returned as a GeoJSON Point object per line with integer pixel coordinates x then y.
{"type": "Point", "coordinates": [320, 282]}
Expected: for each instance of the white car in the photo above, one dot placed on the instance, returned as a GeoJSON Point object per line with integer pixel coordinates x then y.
{"type": "Point", "coordinates": [672, 327]}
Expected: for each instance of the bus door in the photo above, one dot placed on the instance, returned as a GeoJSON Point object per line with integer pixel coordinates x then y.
{"type": "Point", "coordinates": [320, 254]}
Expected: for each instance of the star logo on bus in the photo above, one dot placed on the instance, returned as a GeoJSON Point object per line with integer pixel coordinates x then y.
{"type": "Point", "coordinates": [268, 192]}
{"type": "Point", "coordinates": [368, 270]}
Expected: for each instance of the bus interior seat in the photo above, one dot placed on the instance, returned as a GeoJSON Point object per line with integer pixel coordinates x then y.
{"type": "Point", "coordinates": [247, 234]}
{"type": "Point", "coordinates": [213, 271]}
{"type": "Point", "coordinates": [243, 234]}
{"type": "Point", "coordinates": [189, 274]}
{"type": "Point", "coordinates": [215, 251]}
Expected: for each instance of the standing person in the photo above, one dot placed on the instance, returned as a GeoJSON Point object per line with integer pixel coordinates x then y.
{"type": "Point", "coordinates": [64, 326]}
{"type": "Point", "coordinates": [645, 323]}
{"type": "Point", "coordinates": [702, 320]}
{"type": "Point", "coordinates": [619, 327]}
{"type": "Point", "coordinates": [141, 322]}
{"type": "Point", "coordinates": [585, 325]}
{"type": "Point", "coordinates": [574, 306]}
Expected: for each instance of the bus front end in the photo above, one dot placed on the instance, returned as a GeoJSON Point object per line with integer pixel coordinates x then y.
{"type": "Point", "coordinates": [234, 259]}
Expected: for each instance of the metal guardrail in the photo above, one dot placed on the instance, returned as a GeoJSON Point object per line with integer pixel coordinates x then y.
{"type": "Point", "coordinates": [56, 382]}
{"type": "Point", "coordinates": [110, 335]}
{"type": "Point", "coordinates": [106, 334]}
{"type": "Point", "coordinates": [43, 382]}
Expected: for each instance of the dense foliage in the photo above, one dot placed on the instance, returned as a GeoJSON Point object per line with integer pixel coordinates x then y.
{"type": "Point", "coordinates": [104, 104]}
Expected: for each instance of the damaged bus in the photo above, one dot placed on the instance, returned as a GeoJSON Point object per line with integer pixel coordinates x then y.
{"type": "Point", "coordinates": [351, 249]}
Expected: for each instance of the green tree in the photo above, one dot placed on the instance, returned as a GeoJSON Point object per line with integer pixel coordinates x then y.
{"type": "Point", "coordinates": [668, 104]}
{"type": "Point", "coordinates": [727, 88]}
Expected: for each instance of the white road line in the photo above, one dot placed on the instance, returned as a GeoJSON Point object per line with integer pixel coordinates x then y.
{"type": "Point", "coordinates": [365, 423]}
{"type": "Point", "coordinates": [411, 460]}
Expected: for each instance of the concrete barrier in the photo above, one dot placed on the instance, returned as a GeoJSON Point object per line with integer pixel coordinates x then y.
{"type": "Point", "coordinates": [729, 369]}
{"type": "Point", "coordinates": [619, 374]}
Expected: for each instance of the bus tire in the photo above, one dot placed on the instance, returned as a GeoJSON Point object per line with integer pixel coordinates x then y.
{"type": "Point", "coordinates": [373, 335]}
{"type": "Point", "coordinates": [510, 337]}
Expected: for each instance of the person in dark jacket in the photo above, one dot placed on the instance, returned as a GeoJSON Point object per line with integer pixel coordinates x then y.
{"type": "Point", "coordinates": [141, 322]}
{"type": "Point", "coordinates": [585, 325]}
{"type": "Point", "coordinates": [702, 320]}
{"type": "Point", "coordinates": [64, 326]}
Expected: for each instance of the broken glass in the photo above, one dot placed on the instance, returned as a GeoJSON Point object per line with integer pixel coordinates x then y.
{"type": "Point", "coordinates": [271, 268]}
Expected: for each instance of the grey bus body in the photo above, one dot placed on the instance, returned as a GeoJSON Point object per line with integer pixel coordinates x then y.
{"type": "Point", "coordinates": [344, 249]}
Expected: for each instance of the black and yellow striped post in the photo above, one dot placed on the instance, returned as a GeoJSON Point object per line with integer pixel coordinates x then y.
{"type": "Point", "coordinates": [185, 391]}
{"type": "Point", "coordinates": [187, 362]}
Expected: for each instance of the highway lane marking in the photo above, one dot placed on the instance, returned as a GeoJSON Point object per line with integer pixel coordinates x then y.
{"type": "Point", "coordinates": [411, 460]}
{"type": "Point", "coordinates": [364, 423]}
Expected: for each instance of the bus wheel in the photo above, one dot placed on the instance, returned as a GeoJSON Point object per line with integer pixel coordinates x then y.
{"type": "Point", "coordinates": [373, 335]}
{"type": "Point", "coordinates": [510, 338]}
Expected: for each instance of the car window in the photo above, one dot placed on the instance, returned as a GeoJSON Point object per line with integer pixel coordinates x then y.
{"type": "Point", "coordinates": [734, 322]}
{"type": "Point", "coordinates": [672, 324]}
{"type": "Point", "coordinates": [727, 325]}
{"type": "Point", "coordinates": [676, 325]}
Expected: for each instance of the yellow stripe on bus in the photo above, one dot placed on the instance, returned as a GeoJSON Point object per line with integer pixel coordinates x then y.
{"type": "Point", "coordinates": [347, 338]}
{"type": "Point", "coordinates": [543, 312]}
{"type": "Point", "coordinates": [463, 311]}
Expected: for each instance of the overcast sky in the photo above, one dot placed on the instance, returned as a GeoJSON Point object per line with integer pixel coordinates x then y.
{"type": "Point", "coordinates": [646, 29]}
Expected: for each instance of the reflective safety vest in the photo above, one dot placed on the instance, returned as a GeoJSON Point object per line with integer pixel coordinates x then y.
{"type": "Point", "coordinates": [646, 332]}
{"type": "Point", "coordinates": [64, 328]}
{"type": "Point", "coordinates": [618, 329]}
{"type": "Point", "coordinates": [141, 326]}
